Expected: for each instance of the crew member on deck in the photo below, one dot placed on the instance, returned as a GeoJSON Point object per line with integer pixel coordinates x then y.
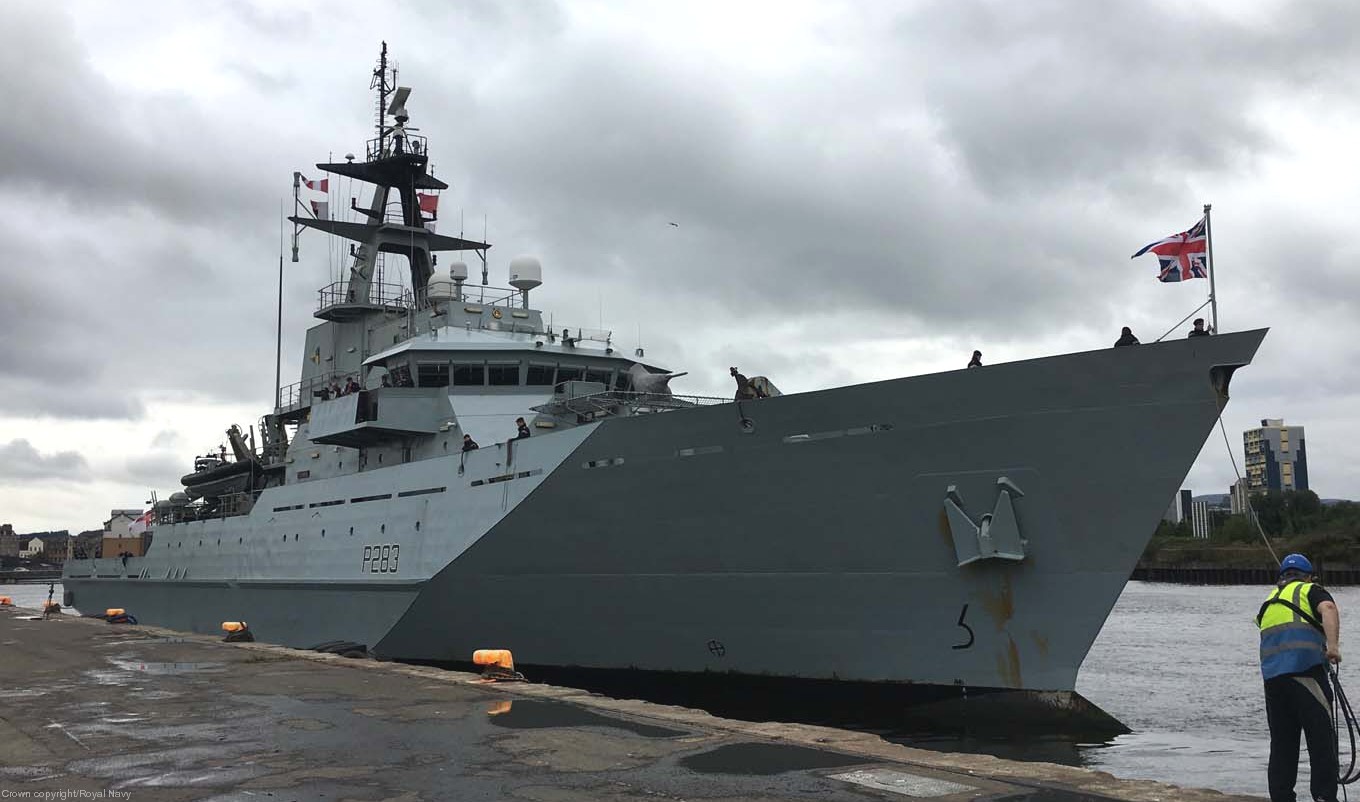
{"type": "Point", "coordinates": [1199, 330]}
{"type": "Point", "coordinates": [976, 361]}
{"type": "Point", "coordinates": [1126, 338]}
{"type": "Point", "coordinates": [745, 391]}
{"type": "Point", "coordinates": [469, 444]}
{"type": "Point", "coordinates": [522, 429]}
{"type": "Point", "coordinates": [1300, 630]}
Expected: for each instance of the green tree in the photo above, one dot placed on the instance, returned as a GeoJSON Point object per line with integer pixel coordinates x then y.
{"type": "Point", "coordinates": [1236, 529]}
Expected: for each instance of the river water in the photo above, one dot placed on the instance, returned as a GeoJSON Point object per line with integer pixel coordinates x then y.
{"type": "Point", "coordinates": [1176, 663]}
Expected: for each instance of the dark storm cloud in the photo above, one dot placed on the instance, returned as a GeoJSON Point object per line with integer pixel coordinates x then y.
{"type": "Point", "coordinates": [20, 461]}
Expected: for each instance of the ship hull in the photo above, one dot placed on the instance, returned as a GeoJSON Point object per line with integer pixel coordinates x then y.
{"type": "Point", "coordinates": [803, 536]}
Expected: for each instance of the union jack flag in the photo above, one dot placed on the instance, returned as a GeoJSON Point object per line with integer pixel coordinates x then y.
{"type": "Point", "coordinates": [1182, 256]}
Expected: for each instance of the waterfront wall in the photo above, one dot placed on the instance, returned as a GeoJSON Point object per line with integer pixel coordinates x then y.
{"type": "Point", "coordinates": [1211, 574]}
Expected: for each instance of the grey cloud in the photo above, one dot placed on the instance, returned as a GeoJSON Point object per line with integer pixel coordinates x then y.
{"type": "Point", "coordinates": [158, 470]}
{"type": "Point", "coordinates": [962, 172]}
{"type": "Point", "coordinates": [1120, 97]}
{"type": "Point", "coordinates": [20, 461]}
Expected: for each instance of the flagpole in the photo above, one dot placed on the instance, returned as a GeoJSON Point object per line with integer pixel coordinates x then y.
{"type": "Point", "coordinates": [1209, 244]}
{"type": "Point", "coordinates": [278, 331]}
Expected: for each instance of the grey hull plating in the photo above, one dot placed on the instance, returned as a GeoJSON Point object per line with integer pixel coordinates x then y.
{"type": "Point", "coordinates": [799, 536]}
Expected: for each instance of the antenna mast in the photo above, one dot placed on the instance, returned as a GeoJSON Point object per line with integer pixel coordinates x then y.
{"type": "Point", "coordinates": [383, 80]}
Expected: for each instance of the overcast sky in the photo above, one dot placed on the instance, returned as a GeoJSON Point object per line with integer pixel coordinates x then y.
{"type": "Point", "coordinates": [861, 191]}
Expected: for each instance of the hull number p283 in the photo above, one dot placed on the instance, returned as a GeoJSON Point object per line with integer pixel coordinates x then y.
{"type": "Point", "coordinates": [383, 558]}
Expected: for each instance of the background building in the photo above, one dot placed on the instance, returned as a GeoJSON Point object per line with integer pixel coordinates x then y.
{"type": "Point", "coordinates": [1275, 457]}
{"type": "Point", "coordinates": [1180, 507]}
{"type": "Point", "coordinates": [9, 542]}
{"type": "Point", "coordinates": [119, 521]}
{"type": "Point", "coordinates": [1237, 497]}
{"type": "Point", "coordinates": [118, 540]}
{"type": "Point", "coordinates": [1200, 523]}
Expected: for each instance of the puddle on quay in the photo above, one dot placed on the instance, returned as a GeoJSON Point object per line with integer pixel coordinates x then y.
{"type": "Point", "coordinates": [167, 668]}
{"type": "Point", "coordinates": [766, 759]}
{"type": "Point", "coordinates": [536, 714]}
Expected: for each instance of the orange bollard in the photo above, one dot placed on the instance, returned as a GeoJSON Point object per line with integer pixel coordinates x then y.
{"type": "Point", "coordinates": [500, 658]}
{"type": "Point", "coordinates": [497, 665]}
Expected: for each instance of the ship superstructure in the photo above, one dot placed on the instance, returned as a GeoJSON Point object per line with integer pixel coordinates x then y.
{"type": "Point", "coordinates": [966, 529]}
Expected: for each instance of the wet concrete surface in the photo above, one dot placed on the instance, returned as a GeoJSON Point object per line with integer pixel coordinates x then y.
{"type": "Point", "coordinates": [89, 706]}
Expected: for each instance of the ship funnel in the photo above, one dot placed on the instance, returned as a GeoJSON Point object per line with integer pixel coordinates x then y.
{"type": "Point", "coordinates": [525, 273]}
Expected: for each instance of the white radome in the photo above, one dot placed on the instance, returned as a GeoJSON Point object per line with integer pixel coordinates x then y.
{"type": "Point", "coordinates": [439, 288]}
{"type": "Point", "coordinates": [525, 273]}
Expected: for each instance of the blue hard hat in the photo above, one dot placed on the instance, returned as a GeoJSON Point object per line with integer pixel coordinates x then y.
{"type": "Point", "coordinates": [1296, 562]}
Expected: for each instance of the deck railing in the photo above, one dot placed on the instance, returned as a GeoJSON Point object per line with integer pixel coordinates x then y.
{"type": "Point", "coordinates": [341, 293]}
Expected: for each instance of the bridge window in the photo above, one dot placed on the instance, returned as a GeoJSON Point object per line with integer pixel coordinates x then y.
{"type": "Point", "coordinates": [502, 373]}
{"type": "Point", "coordinates": [540, 374]}
{"type": "Point", "coordinates": [433, 374]}
{"type": "Point", "coordinates": [569, 373]}
{"type": "Point", "coordinates": [623, 381]}
{"type": "Point", "coordinates": [598, 375]}
{"type": "Point", "coordinates": [465, 375]}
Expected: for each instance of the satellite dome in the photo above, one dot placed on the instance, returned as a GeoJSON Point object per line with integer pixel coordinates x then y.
{"type": "Point", "coordinates": [439, 288]}
{"type": "Point", "coordinates": [179, 499]}
{"type": "Point", "coordinates": [458, 271]}
{"type": "Point", "coordinates": [525, 273]}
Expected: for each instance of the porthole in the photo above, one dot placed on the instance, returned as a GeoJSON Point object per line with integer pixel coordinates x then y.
{"type": "Point", "coordinates": [219, 541]}
{"type": "Point", "coordinates": [285, 538]}
{"type": "Point", "coordinates": [200, 543]}
{"type": "Point", "coordinates": [240, 539]}
{"type": "Point", "coordinates": [383, 529]}
{"type": "Point", "coordinates": [295, 536]}
{"type": "Point", "coordinates": [323, 532]}
{"type": "Point", "coordinates": [417, 526]}
{"type": "Point", "coordinates": [351, 531]}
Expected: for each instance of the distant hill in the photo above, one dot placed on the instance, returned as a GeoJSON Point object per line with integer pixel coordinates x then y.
{"type": "Point", "coordinates": [1221, 500]}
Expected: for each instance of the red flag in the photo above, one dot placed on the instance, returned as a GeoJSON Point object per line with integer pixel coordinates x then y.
{"type": "Point", "coordinates": [429, 208]}
{"type": "Point", "coordinates": [141, 524]}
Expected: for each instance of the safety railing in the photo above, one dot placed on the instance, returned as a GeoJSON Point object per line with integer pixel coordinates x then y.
{"type": "Point", "coordinates": [300, 394]}
{"type": "Point", "coordinates": [415, 144]}
{"type": "Point", "coordinates": [229, 505]}
{"type": "Point", "coordinates": [618, 402]}
{"type": "Point", "coordinates": [341, 293]}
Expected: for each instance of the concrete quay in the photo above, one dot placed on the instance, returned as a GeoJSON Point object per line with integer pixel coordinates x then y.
{"type": "Point", "coordinates": [94, 710]}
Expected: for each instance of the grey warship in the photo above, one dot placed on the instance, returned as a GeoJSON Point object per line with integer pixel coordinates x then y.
{"type": "Point", "coordinates": [969, 529]}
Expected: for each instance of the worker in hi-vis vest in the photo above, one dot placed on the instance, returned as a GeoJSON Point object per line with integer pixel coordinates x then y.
{"type": "Point", "coordinates": [1300, 629]}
